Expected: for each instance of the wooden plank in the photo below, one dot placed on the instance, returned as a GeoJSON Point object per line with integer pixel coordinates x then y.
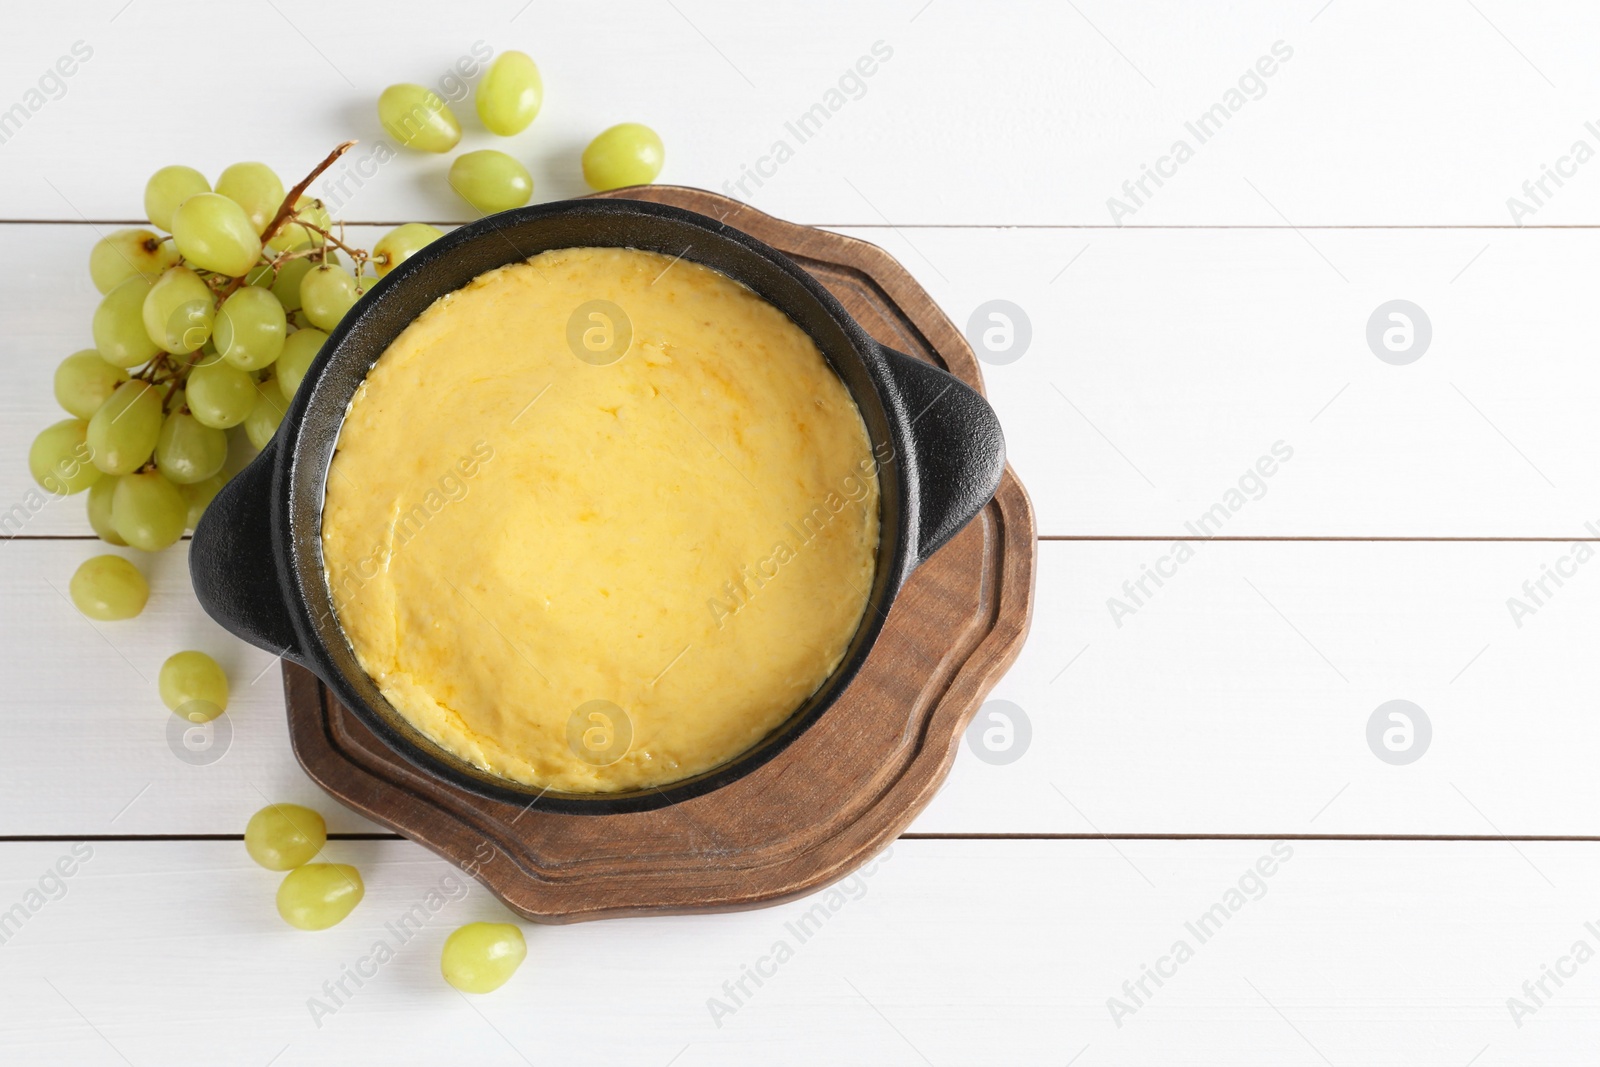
{"type": "Point", "coordinates": [1163, 366]}
{"type": "Point", "coordinates": [947, 952]}
{"type": "Point", "coordinates": [1215, 690]}
{"type": "Point", "coordinates": [1237, 696]}
{"type": "Point", "coordinates": [1434, 112]}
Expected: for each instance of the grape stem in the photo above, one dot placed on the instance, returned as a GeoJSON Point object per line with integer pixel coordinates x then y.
{"type": "Point", "coordinates": [285, 212]}
{"type": "Point", "coordinates": [359, 255]}
{"type": "Point", "coordinates": [287, 207]}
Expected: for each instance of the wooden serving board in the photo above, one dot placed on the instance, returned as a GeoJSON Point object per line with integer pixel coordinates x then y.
{"type": "Point", "coordinates": [843, 791]}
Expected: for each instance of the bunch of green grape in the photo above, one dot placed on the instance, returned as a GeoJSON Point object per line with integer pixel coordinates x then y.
{"type": "Point", "coordinates": [508, 98]}
{"type": "Point", "coordinates": [207, 323]}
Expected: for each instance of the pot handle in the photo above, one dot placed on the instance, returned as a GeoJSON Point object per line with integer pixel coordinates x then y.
{"type": "Point", "coordinates": [231, 560]}
{"type": "Point", "coordinates": [957, 448]}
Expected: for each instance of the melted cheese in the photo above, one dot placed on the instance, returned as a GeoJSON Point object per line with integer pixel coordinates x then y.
{"type": "Point", "coordinates": [590, 576]}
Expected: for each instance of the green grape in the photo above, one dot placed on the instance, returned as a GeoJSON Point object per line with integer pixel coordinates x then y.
{"type": "Point", "coordinates": [286, 286]}
{"type": "Point", "coordinates": [119, 333]}
{"type": "Point", "coordinates": [315, 896]}
{"type": "Point", "coordinates": [169, 187]}
{"type": "Point", "coordinates": [629, 154]}
{"type": "Point", "coordinates": [482, 957]}
{"type": "Point", "coordinates": [400, 244]}
{"type": "Point", "coordinates": [215, 234]}
{"type": "Point", "coordinates": [293, 236]}
{"type": "Point", "coordinates": [100, 510]}
{"type": "Point", "coordinates": [267, 413]}
{"type": "Point", "coordinates": [298, 353]}
{"type": "Point", "coordinates": [121, 254]}
{"type": "Point", "coordinates": [188, 450]}
{"type": "Point", "coordinates": [197, 497]}
{"type": "Point", "coordinates": [220, 395]}
{"type": "Point", "coordinates": [179, 311]}
{"type": "Point", "coordinates": [207, 354]}
{"type": "Point", "coordinates": [326, 293]}
{"type": "Point", "coordinates": [250, 328]}
{"type": "Point", "coordinates": [123, 433]}
{"type": "Point", "coordinates": [490, 181]}
{"type": "Point", "coordinates": [282, 837]}
{"type": "Point", "coordinates": [254, 187]}
{"type": "Point", "coordinates": [60, 456]}
{"type": "Point", "coordinates": [108, 588]}
{"type": "Point", "coordinates": [193, 686]}
{"type": "Point", "coordinates": [416, 117]}
{"type": "Point", "coordinates": [147, 511]}
{"type": "Point", "coordinates": [84, 381]}
{"type": "Point", "coordinates": [510, 93]}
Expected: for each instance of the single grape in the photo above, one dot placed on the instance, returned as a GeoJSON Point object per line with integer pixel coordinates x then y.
{"type": "Point", "coordinates": [293, 236]}
{"type": "Point", "coordinates": [220, 395]}
{"type": "Point", "coordinates": [250, 328]}
{"type": "Point", "coordinates": [286, 286]}
{"type": "Point", "coordinates": [108, 588]}
{"type": "Point", "coordinates": [123, 433]}
{"type": "Point", "coordinates": [628, 154]}
{"type": "Point", "coordinates": [268, 412]}
{"type": "Point", "coordinates": [169, 187]}
{"type": "Point", "coordinates": [482, 957]}
{"type": "Point", "coordinates": [282, 837]}
{"type": "Point", "coordinates": [99, 500]}
{"type": "Point", "coordinates": [84, 381]}
{"type": "Point", "coordinates": [194, 686]}
{"type": "Point", "coordinates": [121, 254]}
{"type": "Point", "coordinates": [207, 354]}
{"type": "Point", "coordinates": [400, 244]}
{"type": "Point", "coordinates": [197, 497]}
{"type": "Point", "coordinates": [119, 333]}
{"type": "Point", "coordinates": [298, 353]}
{"type": "Point", "coordinates": [326, 293]}
{"type": "Point", "coordinates": [509, 94]}
{"type": "Point", "coordinates": [416, 117]}
{"type": "Point", "coordinates": [188, 450]}
{"type": "Point", "coordinates": [179, 311]}
{"type": "Point", "coordinates": [147, 511]}
{"type": "Point", "coordinates": [254, 187]}
{"type": "Point", "coordinates": [60, 458]}
{"type": "Point", "coordinates": [215, 234]}
{"type": "Point", "coordinates": [315, 896]}
{"type": "Point", "coordinates": [490, 181]}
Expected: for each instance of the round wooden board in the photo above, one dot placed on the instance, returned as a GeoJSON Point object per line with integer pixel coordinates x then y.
{"type": "Point", "coordinates": [834, 798]}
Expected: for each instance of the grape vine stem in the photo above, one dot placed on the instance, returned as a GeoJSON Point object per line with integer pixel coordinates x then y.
{"type": "Point", "coordinates": [285, 212]}
{"type": "Point", "coordinates": [287, 207]}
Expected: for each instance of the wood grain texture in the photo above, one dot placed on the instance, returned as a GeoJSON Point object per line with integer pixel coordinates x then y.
{"type": "Point", "coordinates": [833, 799]}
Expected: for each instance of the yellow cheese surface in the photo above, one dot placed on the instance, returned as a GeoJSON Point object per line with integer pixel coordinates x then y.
{"type": "Point", "coordinates": [591, 575]}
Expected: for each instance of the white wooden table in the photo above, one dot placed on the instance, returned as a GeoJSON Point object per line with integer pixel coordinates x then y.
{"type": "Point", "coordinates": [1218, 725]}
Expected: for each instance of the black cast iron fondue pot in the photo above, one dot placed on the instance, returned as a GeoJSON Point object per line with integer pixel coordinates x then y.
{"type": "Point", "coordinates": [257, 557]}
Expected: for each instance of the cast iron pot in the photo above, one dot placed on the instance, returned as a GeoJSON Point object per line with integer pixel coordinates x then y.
{"type": "Point", "coordinates": [257, 558]}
